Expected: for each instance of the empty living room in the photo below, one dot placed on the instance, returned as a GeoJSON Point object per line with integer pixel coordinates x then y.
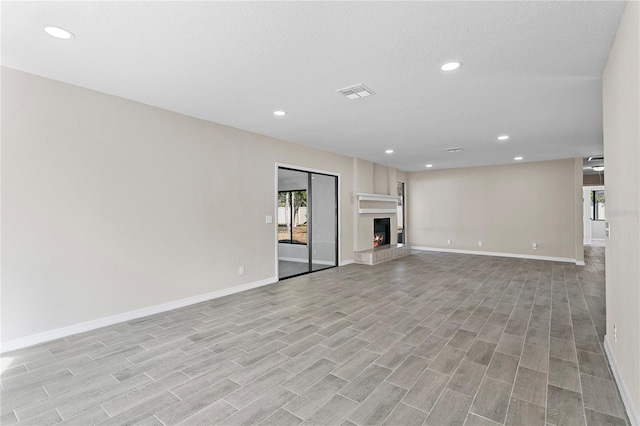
{"type": "Point", "coordinates": [320, 213]}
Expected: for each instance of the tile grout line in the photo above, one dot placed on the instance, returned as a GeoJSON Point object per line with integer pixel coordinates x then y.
{"type": "Point", "coordinates": [485, 372]}
{"type": "Point", "coordinates": [492, 355]}
{"type": "Point", "coordinates": [372, 392]}
{"type": "Point", "coordinates": [584, 409]}
{"type": "Point", "coordinates": [515, 379]}
{"type": "Point", "coordinates": [546, 400]}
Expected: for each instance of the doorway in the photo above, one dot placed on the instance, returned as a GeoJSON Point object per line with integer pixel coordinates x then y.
{"type": "Point", "coordinates": [307, 222]}
{"type": "Point", "coordinates": [401, 228]}
{"type": "Point", "coordinates": [594, 215]}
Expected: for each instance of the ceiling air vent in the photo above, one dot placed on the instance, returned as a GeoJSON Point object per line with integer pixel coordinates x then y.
{"type": "Point", "coordinates": [356, 92]}
{"type": "Point", "coordinates": [456, 149]}
{"type": "Point", "coordinates": [596, 158]}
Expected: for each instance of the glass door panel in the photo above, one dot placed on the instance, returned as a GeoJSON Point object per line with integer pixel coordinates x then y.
{"type": "Point", "coordinates": [293, 235]}
{"type": "Point", "coordinates": [324, 221]}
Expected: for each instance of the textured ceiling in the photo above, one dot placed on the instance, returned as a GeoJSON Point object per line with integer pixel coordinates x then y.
{"type": "Point", "coordinates": [531, 70]}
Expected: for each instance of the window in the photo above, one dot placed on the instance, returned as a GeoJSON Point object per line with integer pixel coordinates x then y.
{"type": "Point", "coordinates": [292, 217]}
{"type": "Point", "coordinates": [597, 205]}
{"type": "Point", "coordinates": [400, 215]}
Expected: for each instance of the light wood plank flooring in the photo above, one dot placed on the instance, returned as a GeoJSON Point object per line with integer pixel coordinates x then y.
{"type": "Point", "coordinates": [431, 338]}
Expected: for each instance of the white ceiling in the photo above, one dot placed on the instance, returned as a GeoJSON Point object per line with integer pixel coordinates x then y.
{"type": "Point", "coordinates": [531, 70]}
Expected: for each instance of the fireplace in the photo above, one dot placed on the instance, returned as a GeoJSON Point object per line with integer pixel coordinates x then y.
{"type": "Point", "coordinates": [381, 232]}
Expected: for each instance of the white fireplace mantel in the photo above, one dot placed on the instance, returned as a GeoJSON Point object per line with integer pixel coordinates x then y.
{"type": "Point", "coordinates": [376, 197]}
{"type": "Point", "coordinates": [377, 203]}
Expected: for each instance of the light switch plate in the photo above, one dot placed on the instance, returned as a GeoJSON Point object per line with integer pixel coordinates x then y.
{"type": "Point", "coordinates": [269, 219]}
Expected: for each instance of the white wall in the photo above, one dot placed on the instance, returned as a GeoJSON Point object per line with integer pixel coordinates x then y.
{"type": "Point", "coordinates": [111, 206]}
{"type": "Point", "coordinates": [621, 112]}
{"type": "Point", "coordinates": [508, 208]}
{"type": "Point", "coordinates": [363, 178]}
{"type": "Point", "coordinates": [597, 229]}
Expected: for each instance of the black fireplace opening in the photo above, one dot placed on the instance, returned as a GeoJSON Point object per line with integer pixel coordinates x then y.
{"type": "Point", "coordinates": [381, 232]}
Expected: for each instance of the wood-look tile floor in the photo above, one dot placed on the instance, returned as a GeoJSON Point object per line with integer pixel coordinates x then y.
{"type": "Point", "coordinates": [432, 338]}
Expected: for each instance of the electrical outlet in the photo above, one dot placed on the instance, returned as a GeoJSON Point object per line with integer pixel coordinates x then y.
{"type": "Point", "coordinates": [448, 241]}
{"type": "Point", "coordinates": [268, 219]}
{"type": "Point", "coordinates": [315, 252]}
{"type": "Point", "coordinates": [241, 270]}
{"type": "Point", "coordinates": [479, 243]}
{"type": "Point", "coordinates": [615, 333]}
{"type": "Point", "coordinates": [534, 246]}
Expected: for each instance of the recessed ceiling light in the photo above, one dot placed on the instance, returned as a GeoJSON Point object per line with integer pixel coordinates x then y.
{"type": "Point", "coordinates": [58, 32]}
{"type": "Point", "coordinates": [279, 113]}
{"type": "Point", "coordinates": [450, 66]}
{"type": "Point", "coordinates": [429, 165]}
{"type": "Point", "coordinates": [503, 137]}
{"type": "Point", "coordinates": [518, 158]}
{"type": "Point", "coordinates": [598, 168]}
{"type": "Point", "coordinates": [389, 151]}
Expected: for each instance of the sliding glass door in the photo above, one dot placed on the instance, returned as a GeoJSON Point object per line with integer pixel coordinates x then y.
{"type": "Point", "coordinates": [400, 216]}
{"type": "Point", "coordinates": [307, 222]}
{"type": "Point", "coordinates": [324, 221]}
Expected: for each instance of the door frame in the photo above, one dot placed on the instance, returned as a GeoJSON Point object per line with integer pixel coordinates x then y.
{"type": "Point", "coordinates": [404, 211]}
{"type": "Point", "coordinates": [586, 212]}
{"type": "Point", "coordinates": [275, 203]}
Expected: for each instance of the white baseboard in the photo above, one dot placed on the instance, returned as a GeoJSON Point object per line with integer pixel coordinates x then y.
{"type": "Point", "coordinates": [622, 388]}
{"type": "Point", "coordinates": [598, 242]}
{"type": "Point", "coordinates": [347, 262]}
{"type": "Point", "coordinates": [491, 253]}
{"type": "Point", "coordinates": [46, 336]}
{"type": "Point", "coordinates": [580, 263]}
